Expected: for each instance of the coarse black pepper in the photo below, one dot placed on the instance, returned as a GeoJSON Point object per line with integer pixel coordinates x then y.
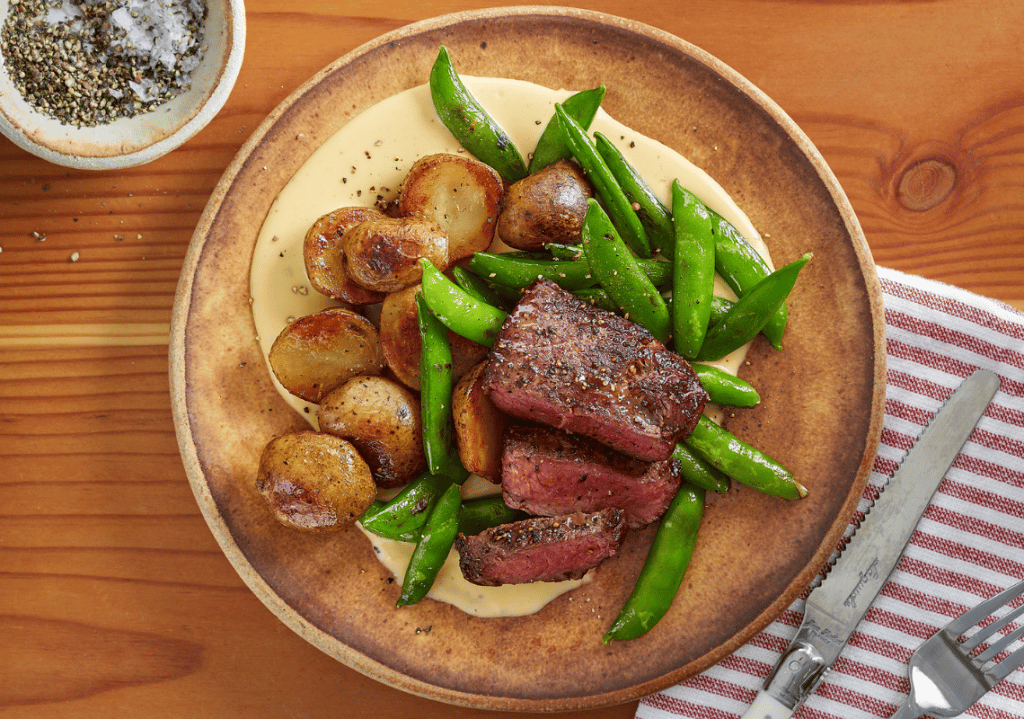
{"type": "Point", "coordinates": [89, 62]}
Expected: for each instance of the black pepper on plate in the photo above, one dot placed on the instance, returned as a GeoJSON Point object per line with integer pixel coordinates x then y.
{"type": "Point", "coordinates": [90, 62]}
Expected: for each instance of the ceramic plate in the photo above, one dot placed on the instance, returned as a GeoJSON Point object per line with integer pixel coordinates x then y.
{"type": "Point", "coordinates": [820, 414]}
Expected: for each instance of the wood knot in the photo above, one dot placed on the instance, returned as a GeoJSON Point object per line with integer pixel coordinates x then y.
{"type": "Point", "coordinates": [925, 184]}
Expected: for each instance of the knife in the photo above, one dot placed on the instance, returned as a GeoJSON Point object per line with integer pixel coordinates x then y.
{"type": "Point", "coordinates": [836, 606]}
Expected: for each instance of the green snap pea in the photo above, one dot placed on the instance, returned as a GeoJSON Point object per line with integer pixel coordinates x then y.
{"type": "Point", "coordinates": [598, 298]}
{"type": "Point", "coordinates": [608, 190]}
{"type": "Point", "coordinates": [476, 286]}
{"type": "Point", "coordinates": [521, 271]}
{"type": "Point", "coordinates": [698, 472]}
{"type": "Point", "coordinates": [726, 388]}
{"type": "Point", "coordinates": [458, 310]}
{"type": "Point", "coordinates": [480, 514]}
{"type": "Point", "coordinates": [743, 463]}
{"type": "Point", "coordinates": [551, 146]}
{"type": "Point", "coordinates": [403, 515]}
{"type": "Point", "coordinates": [693, 271]}
{"type": "Point", "coordinates": [751, 312]}
{"type": "Point", "coordinates": [436, 384]}
{"type": "Point", "coordinates": [617, 271]}
{"type": "Point", "coordinates": [664, 568]}
{"type": "Point", "coordinates": [564, 252]}
{"type": "Point", "coordinates": [654, 216]}
{"type": "Point", "coordinates": [742, 268]}
{"type": "Point", "coordinates": [470, 123]}
{"type": "Point", "coordinates": [436, 540]}
{"type": "Point", "coordinates": [719, 306]}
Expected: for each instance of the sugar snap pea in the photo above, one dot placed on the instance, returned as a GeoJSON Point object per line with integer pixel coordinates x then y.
{"type": "Point", "coordinates": [698, 472]}
{"type": "Point", "coordinates": [742, 462]}
{"type": "Point", "coordinates": [654, 216]}
{"type": "Point", "coordinates": [476, 286]}
{"type": "Point", "coordinates": [740, 265]}
{"type": "Point", "coordinates": [436, 540]}
{"type": "Point", "coordinates": [617, 271]}
{"type": "Point", "coordinates": [719, 306]}
{"type": "Point", "coordinates": [564, 252]}
{"type": "Point", "coordinates": [664, 568]}
{"type": "Point", "coordinates": [436, 384]}
{"type": "Point", "coordinates": [608, 190]}
{"type": "Point", "coordinates": [726, 388]}
{"type": "Point", "coordinates": [484, 513]}
{"type": "Point", "coordinates": [521, 271]}
{"type": "Point", "coordinates": [403, 515]}
{"type": "Point", "coordinates": [693, 271]}
{"type": "Point", "coordinates": [470, 123]}
{"type": "Point", "coordinates": [458, 310]}
{"type": "Point", "coordinates": [551, 146]}
{"type": "Point", "coordinates": [751, 312]}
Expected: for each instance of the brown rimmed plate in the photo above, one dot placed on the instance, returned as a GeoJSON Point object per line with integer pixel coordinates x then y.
{"type": "Point", "coordinates": [820, 414]}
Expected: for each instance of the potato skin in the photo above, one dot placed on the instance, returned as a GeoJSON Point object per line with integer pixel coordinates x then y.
{"type": "Point", "coordinates": [461, 194]}
{"type": "Point", "coordinates": [400, 340]}
{"type": "Point", "coordinates": [324, 257]}
{"type": "Point", "coordinates": [547, 206]}
{"type": "Point", "coordinates": [479, 426]}
{"type": "Point", "coordinates": [314, 482]}
{"type": "Point", "coordinates": [381, 418]}
{"type": "Point", "coordinates": [383, 254]}
{"type": "Point", "coordinates": [316, 353]}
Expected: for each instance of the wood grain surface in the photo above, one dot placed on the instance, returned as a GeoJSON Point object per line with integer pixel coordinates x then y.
{"type": "Point", "coordinates": [114, 598]}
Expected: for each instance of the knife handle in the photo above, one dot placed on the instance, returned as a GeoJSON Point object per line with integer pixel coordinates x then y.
{"type": "Point", "coordinates": [767, 707]}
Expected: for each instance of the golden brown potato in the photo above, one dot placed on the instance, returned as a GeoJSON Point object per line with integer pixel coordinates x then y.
{"type": "Point", "coordinates": [316, 353]}
{"type": "Point", "coordinates": [381, 418]}
{"type": "Point", "coordinates": [384, 254]}
{"type": "Point", "coordinates": [313, 481]}
{"type": "Point", "coordinates": [479, 426]}
{"type": "Point", "coordinates": [325, 261]}
{"type": "Point", "coordinates": [461, 194]}
{"type": "Point", "coordinates": [547, 206]}
{"type": "Point", "coordinates": [400, 339]}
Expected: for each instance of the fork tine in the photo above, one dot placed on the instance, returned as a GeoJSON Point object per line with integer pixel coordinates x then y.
{"type": "Point", "coordinates": [1002, 644]}
{"type": "Point", "coordinates": [1003, 669]}
{"type": "Point", "coordinates": [986, 632]}
{"type": "Point", "coordinates": [972, 617]}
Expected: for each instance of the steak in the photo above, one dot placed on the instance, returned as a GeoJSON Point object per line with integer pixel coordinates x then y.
{"type": "Point", "coordinates": [561, 362]}
{"type": "Point", "coordinates": [541, 549]}
{"type": "Point", "coordinates": [549, 472]}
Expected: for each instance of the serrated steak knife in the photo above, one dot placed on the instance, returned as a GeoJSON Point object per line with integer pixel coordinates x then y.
{"type": "Point", "coordinates": [836, 606]}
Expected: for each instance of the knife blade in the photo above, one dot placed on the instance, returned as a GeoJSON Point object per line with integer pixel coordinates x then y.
{"type": "Point", "coordinates": [835, 608]}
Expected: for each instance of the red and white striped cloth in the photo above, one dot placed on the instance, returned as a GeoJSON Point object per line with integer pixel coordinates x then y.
{"type": "Point", "coordinates": [968, 546]}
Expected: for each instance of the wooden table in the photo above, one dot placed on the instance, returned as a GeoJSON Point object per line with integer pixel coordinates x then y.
{"type": "Point", "coordinates": [114, 598]}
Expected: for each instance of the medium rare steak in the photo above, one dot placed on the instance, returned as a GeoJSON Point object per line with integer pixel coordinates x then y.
{"type": "Point", "coordinates": [549, 472]}
{"type": "Point", "coordinates": [549, 549]}
{"type": "Point", "coordinates": [561, 362]}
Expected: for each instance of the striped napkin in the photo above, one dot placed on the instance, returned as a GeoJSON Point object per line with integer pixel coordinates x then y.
{"type": "Point", "coordinates": [968, 546]}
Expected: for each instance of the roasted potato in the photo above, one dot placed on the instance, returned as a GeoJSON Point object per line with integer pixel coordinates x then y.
{"type": "Point", "coordinates": [384, 254]}
{"type": "Point", "coordinates": [479, 426]}
{"type": "Point", "coordinates": [461, 194]}
{"type": "Point", "coordinates": [316, 353]}
{"type": "Point", "coordinates": [325, 260]}
{"type": "Point", "coordinates": [547, 206]}
{"type": "Point", "coordinates": [381, 418]}
{"type": "Point", "coordinates": [314, 481]}
{"type": "Point", "coordinates": [400, 339]}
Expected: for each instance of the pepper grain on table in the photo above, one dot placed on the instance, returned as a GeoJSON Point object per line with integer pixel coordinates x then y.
{"type": "Point", "coordinates": [115, 598]}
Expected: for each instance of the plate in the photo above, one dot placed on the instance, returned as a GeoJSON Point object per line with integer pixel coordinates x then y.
{"type": "Point", "coordinates": [820, 415]}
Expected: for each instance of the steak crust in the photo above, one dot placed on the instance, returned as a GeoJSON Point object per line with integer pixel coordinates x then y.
{"type": "Point", "coordinates": [541, 549]}
{"type": "Point", "coordinates": [561, 362]}
{"type": "Point", "coordinates": [549, 472]}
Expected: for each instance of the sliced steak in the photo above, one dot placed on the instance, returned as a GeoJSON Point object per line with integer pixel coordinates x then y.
{"type": "Point", "coordinates": [560, 361]}
{"type": "Point", "coordinates": [549, 472]}
{"type": "Point", "coordinates": [548, 549]}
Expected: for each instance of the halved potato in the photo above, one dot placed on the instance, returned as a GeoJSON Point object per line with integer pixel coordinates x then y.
{"type": "Point", "coordinates": [316, 353]}
{"type": "Point", "coordinates": [461, 194]}
{"type": "Point", "coordinates": [324, 258]}
{"type": "Point", "coordinates": [384, 254]}
{"type": "Point", "coordinates": [547, 206]}
{"type": "Point", "coordinates": [400, 340]}
{"type": "Point", "coordinates": [479, 426]}
{"type": "Point", "coordinates": [314, 481]}
{"type": "Point", "coordinates": [381, 418]}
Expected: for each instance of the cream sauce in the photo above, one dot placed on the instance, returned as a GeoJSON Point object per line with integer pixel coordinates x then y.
{"type": "Point", "coordinates": [366, 160]}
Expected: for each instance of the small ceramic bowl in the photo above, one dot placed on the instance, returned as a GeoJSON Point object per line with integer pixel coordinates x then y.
{"type": "Point", "coordinates": [126, 142]}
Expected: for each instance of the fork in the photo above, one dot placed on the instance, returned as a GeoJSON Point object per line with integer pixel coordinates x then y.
{"type": "Point", "coordinates": [947, 677]}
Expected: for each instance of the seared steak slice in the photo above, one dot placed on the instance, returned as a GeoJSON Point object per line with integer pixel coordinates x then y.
{"type": "Point", "coordinates": [548, 549]}
{"type": "Point", "coordinates": [561, 362]}
{"type": "Point", "coordinates": [549, 472]}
